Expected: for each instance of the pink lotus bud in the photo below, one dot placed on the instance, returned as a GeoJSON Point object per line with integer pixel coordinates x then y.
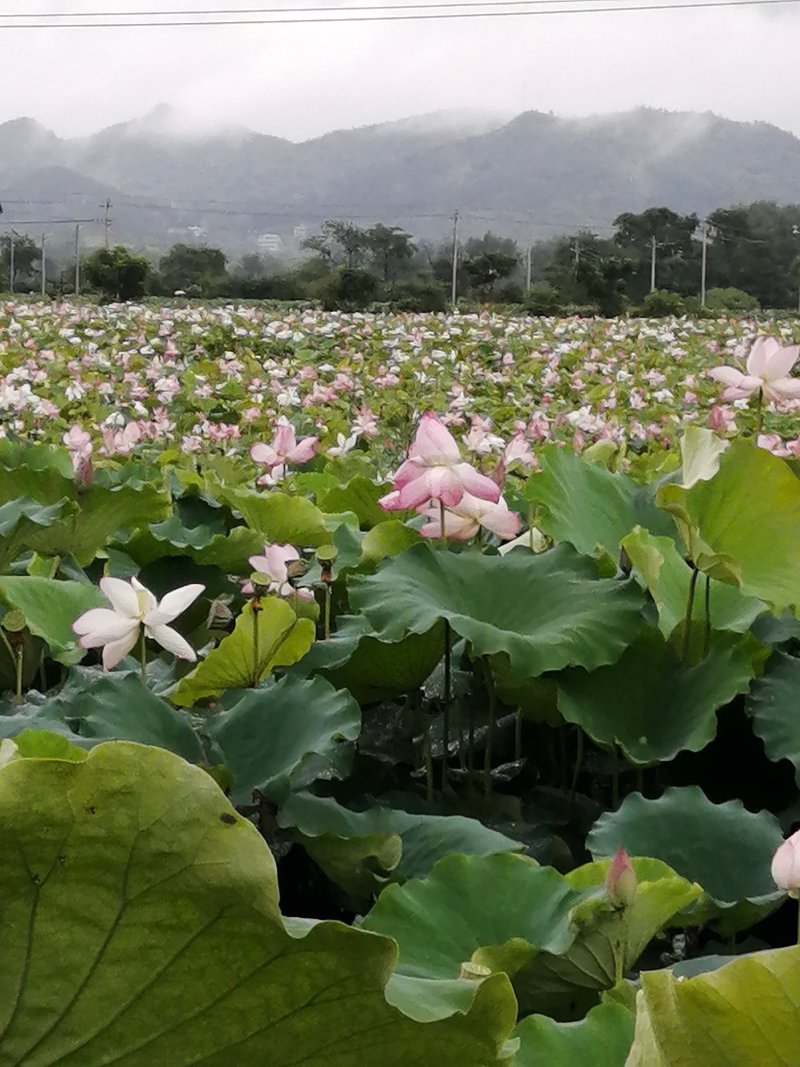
{"type": "Point", "coordinates": [621, 881]}
{"type": "Point", "coordinates": [786, 865]}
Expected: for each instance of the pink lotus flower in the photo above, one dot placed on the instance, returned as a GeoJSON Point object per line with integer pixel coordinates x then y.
{"type": "Point", "coordinates": [284, 449]}
{"type": "Point", "coordinates": [786, 865]}
{"type": "Point", "coordinates": [773, 442]}
{"type": "Point", "coordinates": [621, 881]}
{"type": "Point", "coordinates": [435, 470]}
{"type": "Point", "coordinates": [721, 419]}
{"type": "Point", "coordinates": [465, 519]}
{"type": "Point", "coordinates": [768, 366]}
{"type": "Point", "coordinates": [274, 566]}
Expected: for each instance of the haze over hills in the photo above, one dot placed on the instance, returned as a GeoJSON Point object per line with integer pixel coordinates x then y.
{"type": "Point", "coordinates": [532, 176]}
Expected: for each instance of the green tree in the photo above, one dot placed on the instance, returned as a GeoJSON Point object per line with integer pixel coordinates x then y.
{"type": "Point", "coordinates": [677, 254]}
{"type": "Point", "coordinates": [485, 270]}
{"type": "Point", "coordinates": [390, 249]}
{"type": "Point", "coordinates": [194, 270]}
{"type": "Point", "coordinates": [339, 242]}
{"type": "Point", "coordinates": [27, 260]}
{"type": "Point", "coordinates": [117, 273]}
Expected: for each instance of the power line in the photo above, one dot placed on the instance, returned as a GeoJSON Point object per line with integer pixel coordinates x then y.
{"type": "Point", "coordinates": [383, 16]}
{"type": "Point", "coordinates": [284, 10]}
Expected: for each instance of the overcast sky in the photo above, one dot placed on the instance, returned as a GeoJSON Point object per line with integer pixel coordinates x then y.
{"type": "Point", "coordinates": [299, 81]}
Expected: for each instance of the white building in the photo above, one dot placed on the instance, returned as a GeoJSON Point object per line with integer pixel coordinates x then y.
{"type": "Point", "coordinates": [269, 243]}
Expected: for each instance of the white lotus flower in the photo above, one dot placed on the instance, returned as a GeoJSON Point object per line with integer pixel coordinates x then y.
{"type": "Point", "coordinates": [117, 628]}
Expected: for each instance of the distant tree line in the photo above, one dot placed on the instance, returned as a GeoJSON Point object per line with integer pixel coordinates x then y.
{"type": "Point", "coordinates": [652, 262]}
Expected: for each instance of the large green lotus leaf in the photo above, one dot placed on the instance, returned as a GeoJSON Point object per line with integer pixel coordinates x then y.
{"type": "Point", "coordinates": [140, 926]}
{"type": "Point", "coordinates": [684, 829]}
{"type": "Point", "coordinates": [102, 512]}
{"type": "Point", "coordinates": [701, 450]}
{"type": "Point", "coordinates": [744, 1014]}
{"type": "Point", "coordinates": [277, 638]}
{"type": "Point", "coordinates": [50, 607]}
{"type": "Point", "coordinates": [651, 703]}
{"type": "Point", "coordinates": [284, 736]}
{"type": "Point", "coordinates": [662, 571]}
{"type": "Point", "coordinates": [38, 471]}
{"type": "Point", "coordinates": [773, 706]}
{"type": "Point", "coordinates": [278, 517]}
{"type": "Point", "coordinates": [373, 670]}
{"type": "Point", "coordinates": [744, 524]}
{"type": "Point", "coordinates": [387, 539]}
{"type": "Point", "coordinates": [118, 706]}
{"type": "Point", "coordinates": [590, 507]}
{"type": "Point", "coordinates": [361, 850]}
{"type": "Point", "coordinates": [18, 520]}
{"type": "Point", "coordinates": [557, 938]}
{"type": "Point", "coordinates": [230, 552]}
{"type": "Point", "coordinates": [544, 612]}
{"type": "Point", "coordinates": [360, 496]}
{"type": "Point", "coordinates": [602, 1039]}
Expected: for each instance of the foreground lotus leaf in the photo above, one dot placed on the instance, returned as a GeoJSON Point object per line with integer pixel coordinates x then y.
{"type": "Point", "coordinates": [284, 736]}
{"type": "Point", "coordinates": [669, 705]}
{"type": "Point", "coordinates": [140, 926]}
{"type": "Point", "coordinates": [666, 575]}
{"type": "Point", "coordinates": [684, 829]}
{"type": "Point", "coordinates": [543, 612]}
{"type": "Point", "coordinates": [559, 939]}
{"type": "Point", "coordinates": [246, 656]}
{"type": "Point", "coordinates": [50, 607]}
{"type": "Point", "coordinates": [772, 704]}
{"type": "Point", "coordinates": [590, 507]}
{"type": "Point", "coordinates": [361, 850]}
{"type": "Point", "coordinates": [745, 1013]}
{"type": "Point", "coordinates": [602, 1039]}
{"type": "Point", "coordinates": [743, 525]}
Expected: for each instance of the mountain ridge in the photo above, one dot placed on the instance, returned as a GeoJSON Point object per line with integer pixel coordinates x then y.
{"type": "Point", "coordinates": [528, 177]}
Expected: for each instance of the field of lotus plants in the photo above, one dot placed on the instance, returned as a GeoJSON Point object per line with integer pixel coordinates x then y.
{"type": "Point", "coordinates": [379, 691]}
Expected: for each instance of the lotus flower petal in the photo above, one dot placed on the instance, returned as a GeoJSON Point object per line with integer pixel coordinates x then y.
{"type": "Point", "coordinates": [122, 596]}
{"type": "Point", "coordinates": [116, 651]}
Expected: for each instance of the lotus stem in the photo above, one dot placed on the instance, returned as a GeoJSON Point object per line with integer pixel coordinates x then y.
{"type": "Point", "coordinates": [256, 612]}
{"type": "Point", "coordinates": [578, 764]}
{"type": "Point", "coordinates": [687, 622]}
{"type": "Point", "coordinates": [707, 633]}
{"type": "Point", "coordinates": [759, 410]}
{"type": "Point", "coordinates": [143, 656]}
{"type": "Point", "coordinates": [442, 531]}
{"type": "Point", "coordinates": [489, 750]}
{"type": "Point", "coordinates": [615, 778]}
{"type": "Point", "coordinates": [448, 670]}
{"type": "Point", "coordinates": [428, 757]}
{"type": "Point", "coordinates": [518, 734]}
{"type": "Point", "coordinates": [20, 662]}
{"type": "Point", "coordinates": [327, 618]}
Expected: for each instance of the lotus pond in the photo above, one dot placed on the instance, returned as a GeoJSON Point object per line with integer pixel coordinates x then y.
{"type": "Point", "coordinates": [386, 690]}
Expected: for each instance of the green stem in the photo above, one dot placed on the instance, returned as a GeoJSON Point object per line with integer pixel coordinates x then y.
{"type": "Point", "coordinates": [687, 622]}
{"type": "Point", "coordinates": [327, 623]}
{"type": "Point", "coordinates": [442, 532]}
{"type": "Point", "coordinates": [518, 735]}
{"type": "Point", "coordinates": [759, 411]}
{"type": "Point", "coordinates": [42, 674]}
{"type": "Point", "coordinates": [428, 757]}
{"type": "Point", "coordinates": [615, 779]}
{"type": "Point", "coordinates": [448, 672]}
{"type": "Point", "coordinates": [707, 633]}
{"type": "Point", "coordinates": [489, 750]}
{"type": "Point", "coordinates": [20, 661]}
{"type": "Point", "coordinates": [143, 656]}
{"type": "Point", "coordinates": [256, 659]}
{"type": "Point", "coordinates": [578, 764]}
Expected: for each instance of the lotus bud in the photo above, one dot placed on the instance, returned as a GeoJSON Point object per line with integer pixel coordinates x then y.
{"type": "Point", "coordinates": [220, 615]}
{"type": "Point", "coordinates": [621, 881]}
{"type": "Point", "coordinates": [786, 866]}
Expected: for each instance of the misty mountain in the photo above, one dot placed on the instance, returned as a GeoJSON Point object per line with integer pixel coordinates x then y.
{"type": "Point", "coordinates": [533, 176]}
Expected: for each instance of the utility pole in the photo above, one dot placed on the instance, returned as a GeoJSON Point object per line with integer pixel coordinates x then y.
{"type": "Point", "coordinates": [703, 265]}
{"type": "Point", "coordinates": [107, 221]}
{"type": "Point", "coordinates": [528, 266]}
{"type": "Point", "coordinates": [454, 281]}
{"type": "Point", "coordinates": [653, 263]}
{"type": "Point", "coordinates": [12, 267]}
{"type": "Point", "coordinates": [577, 251]}
{"type": "Point", "coordinates": [796, 233]}
{"type": "Point", "coordinates": [44, 265]}
{"type": "Point", "coordinates": [77, 259]}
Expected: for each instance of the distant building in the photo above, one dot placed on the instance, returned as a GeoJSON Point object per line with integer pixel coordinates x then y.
{"type": "Point", "coordinates": [270, 243]}
{"type": "Point", "coordinates": [300, 234]}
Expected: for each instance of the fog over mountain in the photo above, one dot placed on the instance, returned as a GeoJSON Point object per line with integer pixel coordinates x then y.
{"type": "Point", "coordinates": [533, 175]}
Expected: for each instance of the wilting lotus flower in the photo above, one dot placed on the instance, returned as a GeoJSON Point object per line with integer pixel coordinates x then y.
{"type": "Point", "coordinates": [434, 470]}
{"type": "Point", "coordinates": [118, 628]}
{"type": "Point", "coordinates": [621, 881]}
{"type": "Point", "coordinates": [768, 366]}
{"type": "Point", "coordinates": [274, 566]}
{"type": "Point", "coordinates": [786, 865]}
{"type": "Point", "coordinates": [284, 450]}
{"type": "Point", "coordinates": [79, 443]}
{"type": "Point", "coordinates": [464, 520]}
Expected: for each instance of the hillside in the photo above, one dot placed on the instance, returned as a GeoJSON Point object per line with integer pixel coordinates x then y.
{"type": "Point", "coordinates": [528, 177]}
